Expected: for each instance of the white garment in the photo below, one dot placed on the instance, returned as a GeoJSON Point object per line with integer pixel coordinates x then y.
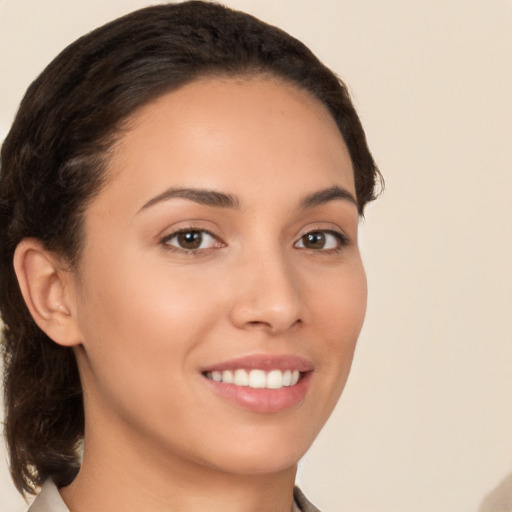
{"type": "Point", "coordinates": [49, 500]}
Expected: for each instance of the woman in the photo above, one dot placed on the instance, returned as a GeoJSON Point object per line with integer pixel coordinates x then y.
{"type": "Point", "coordinates": [181, 284]}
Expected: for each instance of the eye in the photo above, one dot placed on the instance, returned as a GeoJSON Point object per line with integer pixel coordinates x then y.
{"type": "Point", "coordinates": [321, 241]}
{"type": "Point", "coordinates": [192, 240]}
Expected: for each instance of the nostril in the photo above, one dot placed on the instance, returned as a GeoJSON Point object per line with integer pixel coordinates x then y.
{"type": "Point", "coordinates": [272, 326]}
{"type": "Point", "coordinates": [258, 323]}
{"type": "Point", "coordinates": [266, 310]}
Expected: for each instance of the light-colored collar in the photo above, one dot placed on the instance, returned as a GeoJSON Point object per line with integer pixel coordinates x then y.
{"type": "Point", "coordinates": [49, 500]}
{"type": "Point", "coordinates": [295, 507]}
{"type": "Point", "coordinates": [301, 503]}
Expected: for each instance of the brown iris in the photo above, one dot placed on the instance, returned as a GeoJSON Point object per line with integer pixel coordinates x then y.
{"type": "Point", "coordinates": [190, 239]}
{"type": "Point", "coordinates": [314, 240]}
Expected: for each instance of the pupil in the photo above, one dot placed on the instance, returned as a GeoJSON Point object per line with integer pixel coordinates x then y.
{"type": "Point", "coordinates": [315, 240]}
{"type": "Point", "coordinates": [190, 239]}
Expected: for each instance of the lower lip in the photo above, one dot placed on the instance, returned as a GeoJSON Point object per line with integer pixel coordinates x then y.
{"type": "Point", "coordinates": [261, 399]}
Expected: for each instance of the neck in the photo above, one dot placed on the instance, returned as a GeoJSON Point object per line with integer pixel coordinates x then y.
{"type": "Point", "coordinates": [118, 474]}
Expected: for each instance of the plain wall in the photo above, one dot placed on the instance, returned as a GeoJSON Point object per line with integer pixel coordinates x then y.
{"type": "Point", "coordinates": [425, 423]}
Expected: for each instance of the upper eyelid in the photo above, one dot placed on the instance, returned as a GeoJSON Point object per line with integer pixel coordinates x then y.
{"type": "Point", "coordinates": [191, 225]}
{"type": "Point", "coordinates": [176, 232]}
{"type": "Point", "coordinates": [342, 237]}
{"type": "Point", "coordinates": [165, 242]}
{"type": "Point", "coordinates": [343, 240]}
{"type": "Point", "coordinates": [328, 227]}
{"type": "Point", "coordinates": [324, 228]}
{"type": "Point", "coordinates": [189, 229]}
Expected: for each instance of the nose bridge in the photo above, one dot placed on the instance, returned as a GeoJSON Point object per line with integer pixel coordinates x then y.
{"type": "Point", "coordinates": [269, 292]}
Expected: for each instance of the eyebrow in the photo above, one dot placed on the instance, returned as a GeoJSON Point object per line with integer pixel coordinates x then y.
{"type": "Point", "coordinates": [325, 196]}
{"type": "Point", "coordinates": [216, 199]}
{"type": "Point", "coordinates": [198, 195]}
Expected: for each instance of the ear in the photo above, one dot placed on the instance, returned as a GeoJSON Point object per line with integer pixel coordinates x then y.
{"type": "Point", "coordinates": [48, 288]}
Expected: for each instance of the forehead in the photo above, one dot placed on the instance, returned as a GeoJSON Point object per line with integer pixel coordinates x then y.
{"type": "Point", "coordinates": [244, 134]}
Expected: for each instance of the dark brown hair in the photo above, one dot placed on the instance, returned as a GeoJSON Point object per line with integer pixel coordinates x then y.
{"type": "Point", "coordinates": [53, 162]}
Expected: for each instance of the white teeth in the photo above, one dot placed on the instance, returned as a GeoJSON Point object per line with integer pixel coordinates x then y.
{"type": "Point", "coordinates": [241, 378]}
{"type": "Point", "coordinates": [259, 379]}
{"type": "Point", "coordinates": [227, 376]}
{"type": "Point", "coordinates": [275, 379]}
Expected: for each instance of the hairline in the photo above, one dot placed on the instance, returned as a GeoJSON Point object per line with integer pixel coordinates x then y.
{"type": "Point", "coordinates": [114, 137]}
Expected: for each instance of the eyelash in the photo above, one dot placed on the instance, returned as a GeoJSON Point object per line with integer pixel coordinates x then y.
{"type": "Point", "coordinates": [341, 239]}
{"type": "Point", "coordinates": [192, 252]}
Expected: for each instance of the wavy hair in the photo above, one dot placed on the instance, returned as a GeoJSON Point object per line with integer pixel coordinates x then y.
{"type": "Point", "coordinates": [53, 162]}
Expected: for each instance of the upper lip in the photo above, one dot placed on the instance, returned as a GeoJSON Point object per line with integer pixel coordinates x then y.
{"type": "Point", "coordinates": [263, 362]}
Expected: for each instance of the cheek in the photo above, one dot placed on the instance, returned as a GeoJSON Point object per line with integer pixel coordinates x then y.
{"type": "Point", "coordinates": [341, 303]}
{"type": "Point", "coordinates": [340, 312]}
{"type": "Point", "coordinates": [138, 295]}
{"type": "Point", "coordinates": [141, 328]}
{"type": "Point", "coordinates": [140, 320]}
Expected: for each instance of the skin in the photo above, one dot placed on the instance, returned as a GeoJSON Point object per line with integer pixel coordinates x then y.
{"type": "Point", "coordinates": [147, 317]}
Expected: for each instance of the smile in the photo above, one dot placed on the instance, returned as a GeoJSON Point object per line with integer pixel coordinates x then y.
{"type": "Point", "coordinates": [256, 378]}
{"type": "Point", "coordinates": [261, 383]}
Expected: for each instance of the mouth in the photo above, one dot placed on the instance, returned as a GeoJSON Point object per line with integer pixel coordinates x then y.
{"type": "Point", "coordinates": [261, 383]}
{"type": "Point", "coordinates": [256, 378]}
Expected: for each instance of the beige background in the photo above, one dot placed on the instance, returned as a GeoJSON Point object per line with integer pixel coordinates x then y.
{"type": "Point", "coordinates": [425, 423]}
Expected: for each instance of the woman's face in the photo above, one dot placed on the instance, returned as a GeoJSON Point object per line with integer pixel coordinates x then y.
{"type": "Point", "coordinates": [223, 246]}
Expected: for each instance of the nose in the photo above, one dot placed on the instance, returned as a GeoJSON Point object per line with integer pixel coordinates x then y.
{"type": "Point", "coordinates": [267, 296]}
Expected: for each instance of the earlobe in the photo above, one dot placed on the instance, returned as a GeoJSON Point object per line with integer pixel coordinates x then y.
{"type": "Point", "coordinates": [48, 290]}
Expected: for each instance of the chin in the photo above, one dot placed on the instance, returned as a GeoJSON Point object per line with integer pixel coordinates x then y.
{"type": "Point", "coordinates": [261, 464]}
{"type": "Point", "coordinates": [264, 452]}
